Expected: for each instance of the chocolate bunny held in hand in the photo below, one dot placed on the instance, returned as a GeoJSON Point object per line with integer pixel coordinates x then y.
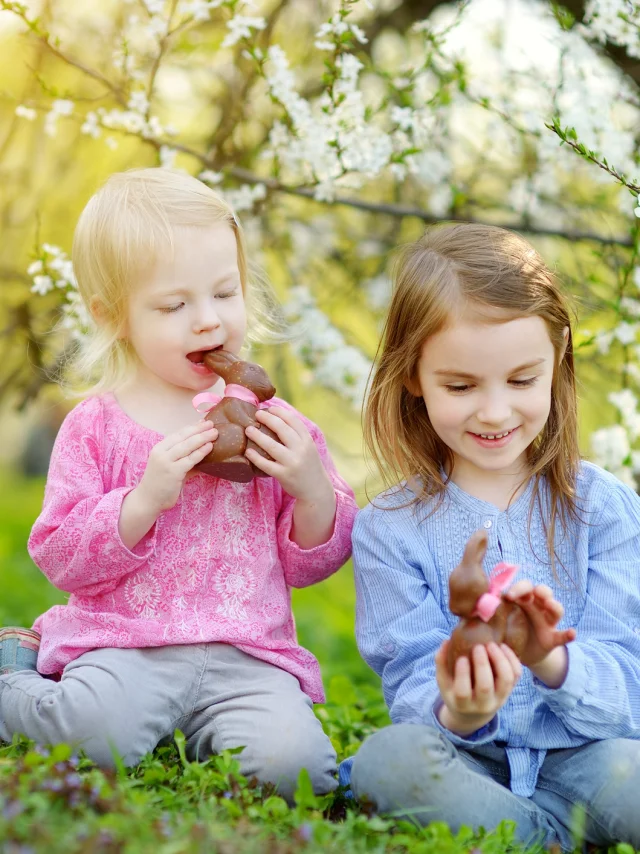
{"type": "Point", "coordinates": [247, 385]}
{"type": "Point", "coordinates": [485, 615]}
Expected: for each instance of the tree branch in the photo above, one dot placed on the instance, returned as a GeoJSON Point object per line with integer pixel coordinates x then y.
{"type": "Point", "coordinates": [399, 210]}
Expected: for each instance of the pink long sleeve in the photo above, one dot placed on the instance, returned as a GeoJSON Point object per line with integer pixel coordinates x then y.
{"type": "Point", "coordinates": [303, 567]}
{"type": "Point", "coordinates": [75, 540]}
{"type": "Point", "coordinates": [216, 567]}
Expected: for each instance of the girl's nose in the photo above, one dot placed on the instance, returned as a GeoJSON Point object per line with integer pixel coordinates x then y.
{"type": "Point", "coordinates": [206, 318]}
{"type": "Point", "coordinates": [494, 410]}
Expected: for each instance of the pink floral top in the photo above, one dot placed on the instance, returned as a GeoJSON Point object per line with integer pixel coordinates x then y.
{"type": "Point", "coordinates": [216, 567]}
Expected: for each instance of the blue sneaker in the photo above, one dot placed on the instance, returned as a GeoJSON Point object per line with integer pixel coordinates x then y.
{"type": "Point", "coordinates": [18, 649]}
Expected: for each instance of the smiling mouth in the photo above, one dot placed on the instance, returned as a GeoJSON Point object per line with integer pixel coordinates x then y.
{"type": "Point", "coordinates": [495, 436]}
{"type": "Point", "coordinates": [197, 356]}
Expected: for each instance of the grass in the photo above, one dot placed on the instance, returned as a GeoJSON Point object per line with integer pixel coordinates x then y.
{"type": "Point", "coordinates": [52, 801]}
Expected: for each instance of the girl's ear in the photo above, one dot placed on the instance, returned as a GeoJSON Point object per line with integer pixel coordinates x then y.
{"type": "Point", "coordinates": [101, 316]}
{"type": "Point", "coordinates": [413, 387]}
{"type": "Point", "coordinates": [565, 341]}
{"type": "Point", "coordinates": [97, 309]}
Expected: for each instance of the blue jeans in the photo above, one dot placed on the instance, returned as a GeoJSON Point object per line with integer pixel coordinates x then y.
{"type": "Point", "coordinates": [415, 771]}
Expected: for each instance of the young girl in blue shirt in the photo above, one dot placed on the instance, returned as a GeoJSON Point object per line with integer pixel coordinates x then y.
{"type": "Point", "coordinates": [473, 411]}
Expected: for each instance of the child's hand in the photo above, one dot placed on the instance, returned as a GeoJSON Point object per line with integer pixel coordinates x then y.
{"type": "Point", "coordinates": [171, 460]}
{"type": "Point", "coordinates": [471, 699]}
{"type": "Point", "coordinates": [544, 614]}
{"type": "Point", "coordinates": [296, 463]}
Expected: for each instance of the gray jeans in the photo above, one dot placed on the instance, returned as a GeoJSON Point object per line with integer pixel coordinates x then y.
{"type": "Point", "coordinates": [128, 700]}
{"type": "Point", "coordinates": [416, 771]}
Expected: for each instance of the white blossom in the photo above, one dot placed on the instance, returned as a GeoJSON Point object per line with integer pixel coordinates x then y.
{"type": "Point", "coordinates": [91, 125]}
{"type": "Point", "coordinates": [200, 10]}
{"type": "Point", "coordinates": [337, 27]}
{"type": "Point", "coordinates": [62, 106]}
{"type": "Point", "coordinates": [26, 112]}
{"type": "Point", "coordinates": [610, 446]}
{"type": "Point", "coordinates": [240, 27]}
{"type": "Point", "coordinates": [42, 285]}
{"type": "Point", "coordinates": [616, 21]}
{"type": "Point", "coordinates": [244, 198]}
{"type": "Point", "coordinates": [404, 117]}
{"type": "Point", "coordinates": [626, 403]}
{"type": "Point", "coordinates": [138, 102]}
{"type": "Point", "coordinates": [378, 291]}
{"type": "Point", "coordinates": [603, 342]}
{"type": "Point", "coordinates": [167, 156]}
{"type": "Point", "coordinates": [626, 332]}
{"type": "Point", "coordinates": [322, 347]}
{"type": "Point", "coordinates": [59, 107]}
{"type": "Point", "coordinates": [210, 177]}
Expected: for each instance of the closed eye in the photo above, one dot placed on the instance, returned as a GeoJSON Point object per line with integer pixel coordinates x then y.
{"type": "Point", "coordinates": [168, 309]}
{"type": "Point", "coordinates": [227, 294]}
{"type": "Point", "coordinates": [461, 388]}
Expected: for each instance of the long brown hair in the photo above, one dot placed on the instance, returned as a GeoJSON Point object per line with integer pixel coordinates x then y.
{"type": "Point", "coordinates": [452, 265]}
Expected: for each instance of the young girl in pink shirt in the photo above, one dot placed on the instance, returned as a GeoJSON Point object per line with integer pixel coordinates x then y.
{"type": "Point", "coordinates": [179, 614]}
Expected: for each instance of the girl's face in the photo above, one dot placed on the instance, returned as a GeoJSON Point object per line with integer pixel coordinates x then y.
{"type": "Point", "coordinates": [190, 301]}
{"type": "Point", "coordinates": [487, 389]}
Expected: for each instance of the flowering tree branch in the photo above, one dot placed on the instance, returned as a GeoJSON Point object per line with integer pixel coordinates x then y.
{"type": "Point", "coordinates": [302, 121]}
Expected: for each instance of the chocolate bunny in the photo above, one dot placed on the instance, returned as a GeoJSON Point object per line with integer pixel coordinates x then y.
{"type": "Point", "coordinates": [485, 615]}
{"type": "Point", "coordinates": [247, 385]}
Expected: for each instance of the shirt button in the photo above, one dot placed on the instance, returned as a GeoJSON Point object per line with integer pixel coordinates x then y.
{"type": "Point", "coordinates": [488, 523]}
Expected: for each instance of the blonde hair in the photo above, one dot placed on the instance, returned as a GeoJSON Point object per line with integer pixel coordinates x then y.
{"type": "Point", "coordinates": [120, 233]}
{"type": "Point", "coordinates": [450, 267]}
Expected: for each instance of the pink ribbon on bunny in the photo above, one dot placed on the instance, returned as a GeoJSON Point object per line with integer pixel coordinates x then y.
{"type": "Point", "coordinates": [205, 401]}
{"type": "Point", "coordinates": [501, 577]}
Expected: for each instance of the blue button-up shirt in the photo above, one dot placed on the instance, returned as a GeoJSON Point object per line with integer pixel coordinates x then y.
{"type": "Point", "coordinates": [403, 557]}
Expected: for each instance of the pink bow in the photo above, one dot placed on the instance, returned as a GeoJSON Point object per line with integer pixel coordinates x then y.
{"type": "Point", "coordinates": [501, 577]}
{"type": "Point", "coordinates": [205, 401]}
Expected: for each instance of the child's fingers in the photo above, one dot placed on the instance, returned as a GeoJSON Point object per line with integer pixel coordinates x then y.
{"type": "Point", "coordinates": [198, 454]}
{"type": "Point", "coordinates": [179, 436]}
{"type": "Point", "coordinates": [484, 682]}
{"type": "Point", "coordinates": [512, 658]}
{"type": "Point", "coordinates": [289, 418]}
{"type": "Point", "coordinates": [274, 419]}
{"type": "Point", "coordinates": [193, 443]}
{"type": "Point", "coordinates": [507, 664]}
{"type": "Point", "coordinates": [270, 467]}
{"type": "Point", "coordinates": [542, 614]}
{"type": "Point", "coordinates": [542, 593]}
{"type": "Point", "coordinates": [519, 590]}
{"type": "Point", "coordinates": [462, 689]}
{"type": "Point", "coordinates": [563, 637]}
{"type": "Point", "coordinates": [277, 450]}
{"type": "Point", "coordinates": [553, 612]}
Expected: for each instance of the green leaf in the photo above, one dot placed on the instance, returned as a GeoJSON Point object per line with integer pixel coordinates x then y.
{"type": "Point", "coordinates": [304, 795]}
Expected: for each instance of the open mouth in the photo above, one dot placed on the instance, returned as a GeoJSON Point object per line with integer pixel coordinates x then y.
{"type": "Point", "coordinates": [197, 356]}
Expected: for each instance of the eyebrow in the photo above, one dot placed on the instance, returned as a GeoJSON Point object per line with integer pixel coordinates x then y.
{"type": "Point", "coordinates": [452, 372]}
